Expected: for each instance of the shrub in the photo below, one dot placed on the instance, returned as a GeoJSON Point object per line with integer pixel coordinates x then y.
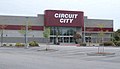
{"type": "Point", "coordinates": [117, 43]}
{"type": "Point", "coordinates": [10, 45]}
{"type": "Point", "coordinates": [82, 44]}
{"type": "Point", "coordinates": [109, 43]}
{"type": "Point", "coordinates": [33, 43]}
{"type": "Point", "coordinates": [101, 44]}
{"type": "Point", "coordinates": [19, 45]}
{"type": "Point", "coordinates": [4, 44]}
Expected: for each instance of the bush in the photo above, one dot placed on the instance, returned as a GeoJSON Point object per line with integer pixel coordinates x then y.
{"type": "Point", "coordinates": [33, 43]}
{"type": "Point", "coordinates": [101, 44]}
{"type": "Point", "coordinates": [109, 43]}
{"type": "Point", "coordinates": [4, 44]}
{"type": "Point", "coordinates": [19, 45]}
{"type": "Point", "coordinates": [82, 44]}
{"type": "Point", "coordinates": [10, 45]}
{"type": "Point", "coordinates": [117, 43]}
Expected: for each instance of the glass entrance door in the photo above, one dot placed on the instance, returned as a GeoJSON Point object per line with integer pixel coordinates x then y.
{"type": "Point", "coordinates": [62, 39]}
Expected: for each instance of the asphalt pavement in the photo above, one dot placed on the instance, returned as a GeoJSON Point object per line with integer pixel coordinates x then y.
{"type": "Point", "coordinates": [58, 57]}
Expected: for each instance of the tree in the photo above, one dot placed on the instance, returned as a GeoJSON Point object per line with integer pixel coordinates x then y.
{"type": "Point", "coordinates": [101, 34]}
{"type": "Point", "coordinates": [24, 32]}
{"type": "Point", "coordinates": [116, 35]}
{"type": "Point", "coordinates": [46, 34]}
{"type": "Point", "coordinates": [77, 37]}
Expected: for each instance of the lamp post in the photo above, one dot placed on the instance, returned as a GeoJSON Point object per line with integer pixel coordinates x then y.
{"type": "Point", "coordinates": [1, 37]}
{"type": "Point", "coordinates": [26, 33]}
{"type": "Point", "coordinates": [2, 27]}
{"type": "Point", "coordinates": [84, 34]}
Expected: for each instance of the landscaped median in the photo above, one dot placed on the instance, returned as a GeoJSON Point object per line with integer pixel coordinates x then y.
{"type": "Point", "coordinates": [100, 54]}
{"type": "Point", "coordinates": [31, 44]}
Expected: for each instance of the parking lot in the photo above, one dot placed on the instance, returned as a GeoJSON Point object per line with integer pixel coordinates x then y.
{"type": "Point", "coordinates": [58, 57]}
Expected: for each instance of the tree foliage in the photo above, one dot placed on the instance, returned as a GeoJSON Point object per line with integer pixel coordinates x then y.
{"type": "Point", "coordinates": [46, 32]}
{"type": "Point", "coordinates": [116, 35]}
{"type": "Point", "coordinates": [23, 29]}
{"type": "Point", "coordinates": [76, 36]}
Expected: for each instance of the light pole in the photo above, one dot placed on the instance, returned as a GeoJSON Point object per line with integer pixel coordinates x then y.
{"type": "Point", "coordinates": [26, 33]}
{"type": "Point", "coordinates": [84, 34]}
{"type": "Point", "coordinates": [2, 27]}
{"type": "Point", "coordinates": [2, 37]}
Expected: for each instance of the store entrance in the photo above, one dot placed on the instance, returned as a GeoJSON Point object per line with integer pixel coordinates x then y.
{"type": "Point", "coordinates": [63, 34]}
{"type": "Point", "coordinates": [54, 40]}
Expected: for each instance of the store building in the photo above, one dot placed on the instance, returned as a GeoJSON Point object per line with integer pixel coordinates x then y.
{"type": "Point", "coordinates": [63, 25]}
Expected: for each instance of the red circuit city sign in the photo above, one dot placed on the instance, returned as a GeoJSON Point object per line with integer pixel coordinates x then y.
{"type": "Point", "coordinates": [64, 18]}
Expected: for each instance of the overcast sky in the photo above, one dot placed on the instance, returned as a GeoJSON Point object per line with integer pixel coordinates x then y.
{"type": "Point", "coordinates": [98, 9]}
